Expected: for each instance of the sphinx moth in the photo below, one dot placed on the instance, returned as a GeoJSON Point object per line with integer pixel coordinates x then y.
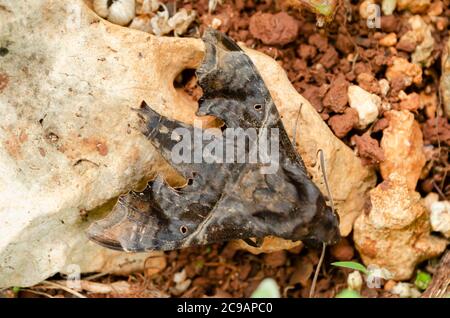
{"type": "Point", "coordinates": [223, 199]}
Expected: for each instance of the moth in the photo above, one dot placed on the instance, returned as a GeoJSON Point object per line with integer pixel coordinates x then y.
{"type": "Point", "coordinates": [223, 200]}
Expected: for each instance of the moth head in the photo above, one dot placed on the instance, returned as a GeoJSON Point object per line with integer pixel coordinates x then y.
{"type": "Point", "coordinates": [325, 228]}
{"type": "Point", "coordinates": [134, 225]}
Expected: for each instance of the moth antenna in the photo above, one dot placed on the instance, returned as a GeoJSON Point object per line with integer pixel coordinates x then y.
{"type": "Point", "coordinates": [295, 126]}
{"type": "Point", "coordinates": [325, 178]}
{"type": "Point", "coordinates": [324, 246]}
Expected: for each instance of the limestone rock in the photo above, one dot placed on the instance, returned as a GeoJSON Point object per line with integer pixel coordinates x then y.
{"type": "Point", "coordinates": [440, 217]}
{"type": "Point", "coordinates": [395, 233]}
{"type": "Point", "coordinates": [366, 104]}
{"type": "Point", "coordinates": [72, 142]}
{"type": "Point", "coordinates": [402, 70]}
{"type": "Point", "coordinates": [402, 144]}
{"type": "Point", "coordinates": [68, 134]}
{"type": "Point", "coordinates": [420, 38]}
{"type": "Point", "coordinates": [120, 12]}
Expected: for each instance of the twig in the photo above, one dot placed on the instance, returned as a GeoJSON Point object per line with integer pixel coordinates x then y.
{"type": "Point", "coordinates": [441, 280]}
{"type": "Point", "coordinates": [316, 274]}
{"type": "Point", "coordinates": [295, 126]}
{"type": "Point", "coordinates": [324, 246]}
{"type": "Point", "coordinates": [65, 288]}
{"type": "Point", "coordinates": [38, 293]}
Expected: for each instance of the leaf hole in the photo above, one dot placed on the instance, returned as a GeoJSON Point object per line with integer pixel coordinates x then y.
{"type": "Point", "coordinates": [183, 229]}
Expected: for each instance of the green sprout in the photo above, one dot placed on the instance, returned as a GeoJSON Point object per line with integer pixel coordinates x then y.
{"type": "Point", "coordinates": [268, 288]}
{"type": "Point", "coordinates": [422, 281]}
{"type": "Point", "coordinates": [348, 293]}
{"type": "Point", "coordinates": [352, 265]}
{"type": "Point", "coordinates": [16, 290]}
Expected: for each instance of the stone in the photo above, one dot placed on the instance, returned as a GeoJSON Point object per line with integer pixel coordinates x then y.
{"type": "Point", "coordinates": [389, 40]}
{"type": "Point", "coordinates": [410, 102]}
{"type": "Point", "coordinates": [342, 124]}
{"type": "Point", "coordinates": [408, 73]}
{"type": "Point", "coordinates": [368, 149]}
{"type": "Point", "coordinates": [422, 41]}
{"type": "Point", "coordinates": [342, 251]}
{"type": "Point", "coordinates": [120, 12]}
{"type": "Point", "coordinates": [402, 144]}
{"type": "Point", "coordinates": [415, 6]}
{"type": "Point", "coordinates": [405, 290]}
{"type": "Point", "coordinates": [445, 78]}
{"type": "Point", "coordinates": [366, 9]}
{"type": "Point", "coordinates": [440, 217]}
{"type": "Point", "coordinates": [395, 233]}
{"type": "Point", "coordinates": [366, 104]}
{"type": "Point", "coordinates": [72, 143]}
{"type": "Point", "coordinates": [384, 86]}
{"type": "Point", "coordinates": [274, 29]}
{"type": "Point", "coordinates": [388, 6]}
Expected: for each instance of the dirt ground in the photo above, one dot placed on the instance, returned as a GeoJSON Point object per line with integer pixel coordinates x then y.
{"type": "Point", "coordinates": [321, 62]}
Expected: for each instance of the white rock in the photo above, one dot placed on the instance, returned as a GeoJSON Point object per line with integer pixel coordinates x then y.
{"type": "Point", "coordinates": [69, 141]}
{"type": "Point", "coordinates": [120, 12]}
{"type": "Point", "coordinates": [147, 6]}
{"type": "Point", "coordinates": [384, 86]}
{"type": "Point", "coordinates": [431, 198]}
{"type": "Point", "coordinates": [388, 6]}
{"type": "Point", "coordinates": [181, 282]}
{"type": "Point", "coordinates": [179, 277]}
{"type": "Point", "coordinates": [181, 21]}
{"type": "Point", "coordinates": [366, 9]}
{"type": "Point", "coordinates": [422, 31]}
{"type": "Point", "coordinates": [216, 23]}
{"type": "Point", "coordinates": [405, 290]}
{"type": "Point", "coordinates": [141, 23]}
{"type": "Point", "coordinates": [440, 217]}
{"type": "Point", "coordinates": [366, 104]}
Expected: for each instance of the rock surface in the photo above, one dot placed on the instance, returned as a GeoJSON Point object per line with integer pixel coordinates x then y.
{"type": "Point", "coordinates": [366, 104]}
{"type": "Point", "coordinates": [71, 141]}
{"type": "Point", "coordinates": [395, 233]}
{"type": "Point", "coordinates": [445, 78]}
{"type": "Point", "coordinates": [274, 29]}
{"type": "Point", "coordinates": [440, 217]}
{"type": "Point", "coordinates": [402, 144]}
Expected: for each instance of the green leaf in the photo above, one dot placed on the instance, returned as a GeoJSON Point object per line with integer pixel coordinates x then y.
{"type": "Point", "coordinates": [348, 293]}
{"type": "Point", "coordinates": [268, 288]}
{"type": "Point", "coordinates": [352, 265]}
{"type": "Point", "coordinates": [16, 290]}
{"type": "Point", "coordinates": [422, 280]}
